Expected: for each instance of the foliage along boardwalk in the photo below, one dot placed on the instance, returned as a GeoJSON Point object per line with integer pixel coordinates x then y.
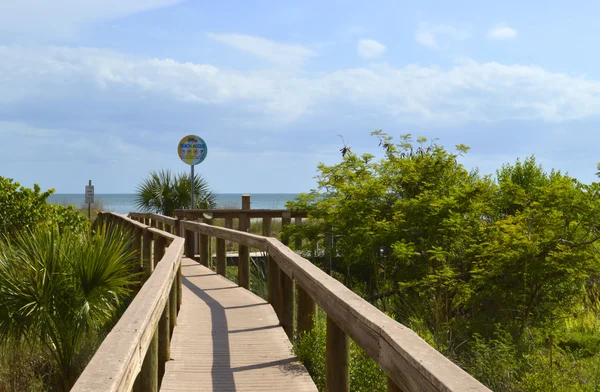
{"type": "Point", "coordinates": [228, 339]}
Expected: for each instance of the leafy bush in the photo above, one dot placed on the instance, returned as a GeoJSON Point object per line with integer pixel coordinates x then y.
{"type": "Point", "coordinates": [24, 209]}
{"type": "Point", "coordinates": [60, 290]}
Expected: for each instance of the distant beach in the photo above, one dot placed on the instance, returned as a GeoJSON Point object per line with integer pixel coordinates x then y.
{"type": "Point", "coordinates": [124, 203]}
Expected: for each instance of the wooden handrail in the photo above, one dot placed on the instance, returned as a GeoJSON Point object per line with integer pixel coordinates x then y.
{"type": "Point", "coordinates": [132, 354]}
{"type": "Point", "coordinates": [409, 362]}
{"type": "Point", "coordinates": [235, 213]}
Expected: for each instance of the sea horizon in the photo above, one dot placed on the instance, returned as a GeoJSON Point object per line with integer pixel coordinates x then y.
{"type": "Point", "coordinates": [122, 203]}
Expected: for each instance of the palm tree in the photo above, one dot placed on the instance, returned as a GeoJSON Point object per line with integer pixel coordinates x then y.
{"type": "Point", "coordinates": [163, 193]}
{"type": "Point", "coordinates": [59, 290]}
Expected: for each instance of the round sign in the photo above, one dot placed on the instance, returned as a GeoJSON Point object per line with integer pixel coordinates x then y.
{"type": "Point", "coordinates": [192, 149]}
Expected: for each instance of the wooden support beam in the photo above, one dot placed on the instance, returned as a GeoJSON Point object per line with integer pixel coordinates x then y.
{"type": "Point", "coordinates": [286, 219]}
{"type": "Point", "coordinates": [159, 248]}
{"type": "Point", "coordinates": [266, 226]}
{"type": "Point", "coordinates": [392, 387]}
{"type": "Point", "coordinates": [337, 377]}
{"type": "Point", "coordinates": [221, 258]}
{"type": "Point", "coordinates": [164, 339]}
{"type": "Point", "coordinates": [173, 306]}
{"type": "Point", "coordinates": [274, 286]}
{"type": "Point", "coordinates": [203, 249]}
{"type": "Point", "coordinates": [287, 304]}
{"type": "Point", "coordinates": [298, 242]}
{"type": "Point", "coordinates": [189, 244]}
{"type": "Point", "coordinates": [244, 251]}
{"type": "Point", "coordinates": [307, 309]}
{"type": "Point", "coordinates": [244, 267]}
{"type": "Point", "coordinates": [179, 289]}
{"type": "Point", "coordinates": [147, 379]}
{"type": "Point", "coordinates": [147, 246]}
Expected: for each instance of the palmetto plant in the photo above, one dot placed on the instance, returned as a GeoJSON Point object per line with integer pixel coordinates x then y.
{"type": "Point", "coordinates": [164, 192]}
{"type": "Point", "coordinates": [59, 289]}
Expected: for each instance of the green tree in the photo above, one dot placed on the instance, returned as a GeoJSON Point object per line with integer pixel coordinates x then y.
{"type": "Point", "coordinates": [60, 289]}
{"type": "Point", "coordinates": [23, 208]}
{"type": "Point", "coordinates": [164, 192]}
{"type": "Point", "coordinates": [476, 265]}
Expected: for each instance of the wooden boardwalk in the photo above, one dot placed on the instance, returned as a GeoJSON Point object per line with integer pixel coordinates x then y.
{"type": "Point", "coordinates": [228, 339]}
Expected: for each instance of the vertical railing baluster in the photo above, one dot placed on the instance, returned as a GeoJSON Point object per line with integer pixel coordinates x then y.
{"type": "Point", "coordinates": [244, 252]}
{"type": "Point", "coordinates": [274, 286]}
{"type": "Point", "coordinates": [148, 265]}
{"type": "Point", "coordinates": [164, 339]}
{"type": "Point", "coordinates": [287, 304]}
{"type": "Point", "coordinates": [221, 258]}
{"type": "Point", "coordinates": [147, 378]}
{"type": "Point", "coordinates": [337, 377]}
{"type": "Point", "coordinates": [307, 309]}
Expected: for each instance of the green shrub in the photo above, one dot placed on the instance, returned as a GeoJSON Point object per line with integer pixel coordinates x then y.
{"type": "Point", "coordinates": [24, 209]}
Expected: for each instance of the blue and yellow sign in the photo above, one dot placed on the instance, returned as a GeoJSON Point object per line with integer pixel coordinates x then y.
{"type": "Point", "coordinates": [192, 149]}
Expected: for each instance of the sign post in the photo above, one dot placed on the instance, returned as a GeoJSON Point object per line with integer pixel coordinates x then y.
{"type": "Point", "coordinates": [192, 150]}
{"type": "Point", "coordinates": [89, 198]}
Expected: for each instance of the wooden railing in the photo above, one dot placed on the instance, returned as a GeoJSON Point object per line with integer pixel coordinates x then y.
{"type": "Point", "coordinates": [408, 361]}
{"type": "Point", "coordinates": [133, 355]}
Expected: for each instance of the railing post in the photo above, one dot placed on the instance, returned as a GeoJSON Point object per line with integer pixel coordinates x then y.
{"type": "Point", "coordinates": [307, 308]}
{"type": "Point", "coordinates": [286, 219]}
{"type": "Point", "coordinates": [337, 377]}
{"type": "Point", "coordinates": [392, 387]}
{"type": "Point", "coordinates": [266, 226]}
{"type": "Point", "coordinates": [189, 244]}
{"type": "Point", "coordinates": [287, 304]}
{"type": "Point", "coordinates": [179, 288]}
{"type": "Point", "coordinates": [203, 248]}
{"type": "Point", "coordinates": [274, 293]}
{"type": "Point", "coordinates": [298, 243]}
{"type": "Point", "coordinates": [147, 379]}
{"type": "Point", "coordinates": [159, 248]}
{"type": "Point", "coordinates": [137, 247]}
{"type": "Point", "coordinates": [164, 339]}
{"type": "Point", "coordinates": [173, 304]}
{"type": "Point", "coordinates": [221, 258]}
{"type": "Point", "coordinates": [244, 252]}
{"type": "Point", "coordinates": [228, 225]}
{"type": "Point", "coordinates": [147, 254]}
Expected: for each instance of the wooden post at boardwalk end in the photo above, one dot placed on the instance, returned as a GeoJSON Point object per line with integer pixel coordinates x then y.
{"type": "Point", "coordinates": [337, 377]}
{"type": "Point", "coordinates": [307, 309]}
{"type": "Point", "coordinates": [244, 252]}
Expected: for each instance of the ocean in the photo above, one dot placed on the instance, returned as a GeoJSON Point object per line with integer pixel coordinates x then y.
{"type": "Point", "coordinates": [124, 203]}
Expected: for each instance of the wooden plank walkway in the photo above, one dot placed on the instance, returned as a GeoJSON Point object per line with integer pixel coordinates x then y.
{"type": "Point", "coordinates": [228, 339]}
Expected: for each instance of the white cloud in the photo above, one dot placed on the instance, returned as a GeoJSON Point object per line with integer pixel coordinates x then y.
{"type": "Point", "coordinates": [502, 32]}
{"type": "Point", "coordinates": [45, 18]}
{"type": "Point", "coordinates": [96, 87]}
{"type": "Point", "coordinates": [275, 52]}
{"type": "Point", "coordinates": [429, 34]}
{"type": "Point", "coordinates": [369, 48]}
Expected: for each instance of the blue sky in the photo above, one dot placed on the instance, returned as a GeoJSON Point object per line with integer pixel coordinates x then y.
{"type": "Point", "coordinates": [104, 89]}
